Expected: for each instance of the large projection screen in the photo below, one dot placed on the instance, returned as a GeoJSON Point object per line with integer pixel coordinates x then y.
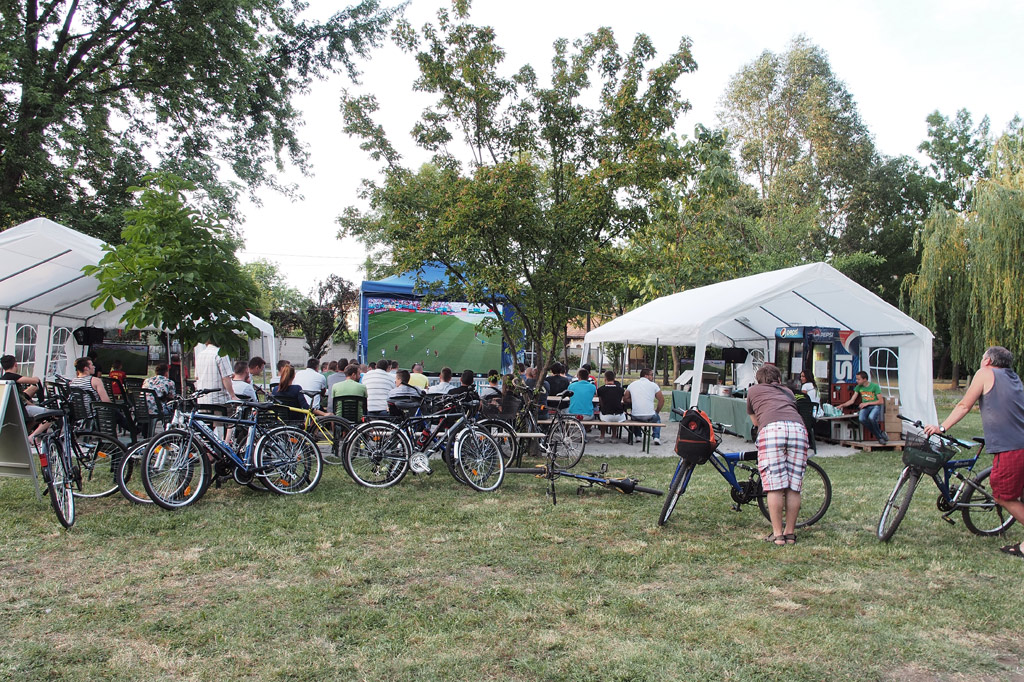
{"type": "Point", "coordinates": [437, 334]}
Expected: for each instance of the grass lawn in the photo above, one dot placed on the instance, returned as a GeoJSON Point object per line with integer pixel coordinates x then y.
{"type": "Point", "coordinates": [429, 580]}
{"type": "Point", "coordinates": [453, 340]}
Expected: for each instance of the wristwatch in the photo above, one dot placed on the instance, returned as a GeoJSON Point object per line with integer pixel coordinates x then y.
{"type": "Point", "coordinates": [942, 428]}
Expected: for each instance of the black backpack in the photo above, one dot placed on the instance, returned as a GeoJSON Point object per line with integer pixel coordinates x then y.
{"type": "Point", "coordinates": [696, 439]}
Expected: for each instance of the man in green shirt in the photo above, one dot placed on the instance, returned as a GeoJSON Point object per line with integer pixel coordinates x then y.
{"type": "Point", "coordinates": [871, 403]}
{"type": "Point", "coordinates": [349, 387]}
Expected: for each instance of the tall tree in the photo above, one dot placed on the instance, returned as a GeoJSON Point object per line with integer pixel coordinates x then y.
{"type": "Point", "coordinates": [177, 267]}
{"type": "Point", "coordinates": [95, 93]}
{"type": "Point", "coordinates": [799, 134]}
{"type": "Point", "coordinates": [553, 178]}
{"type": "Point", "coordinates": [958, 152]}
{"type": "Point", "coordinates": [275, 293]}
{"type": "Point", "coordinates": [971, 263]}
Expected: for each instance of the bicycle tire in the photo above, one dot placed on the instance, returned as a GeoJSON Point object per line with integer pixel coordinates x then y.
{"type": "Point", "coordinates": [479, 460]}
{"type": "Point", "coordinates": [675, 490]}
{"type": "Point", "coordinates": [97, 456]}
{"type": "Point", "coordinates": [290, 461]}
{"type": "Point", "coordinates": [377, 454]}
{"type": "Point", "coordinates": [330, 433]}
{"type": "Point", "coordinates": [129, 473]}
{"type": "Point", "coordinates": [980, 520]}
{"type": "Point", "coordinates": [816, 495]}
{"type": "Point", "coordinates": [60, 484]}
{"type": "Point", "coordinates": [899, 501]}
{"type": "Point", "coordinates": [504, 435]}
{"type": "Point", "coordinates": [571, 442]}
{"type": "Point", "coordinates": [175, 471]}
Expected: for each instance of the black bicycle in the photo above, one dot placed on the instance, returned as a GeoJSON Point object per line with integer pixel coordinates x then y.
{"type": "Point", "coordinates": [960, 489]}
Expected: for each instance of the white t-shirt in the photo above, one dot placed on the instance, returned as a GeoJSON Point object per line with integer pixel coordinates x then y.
{"type": "Point", "coordinates": [643, 394]}
{"type": "Point", "coordinates": [243, 390]}
{"type": "Point", "coordinates": [211, 368]}
{"type": "Point", "coordinates": [811, 391]}
{"type": "Point", "coordinates": [311, 380]}
{"type": "Point", "coordinates": [441, 387]}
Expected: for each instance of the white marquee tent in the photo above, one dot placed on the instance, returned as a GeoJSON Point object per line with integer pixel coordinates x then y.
{"type": "Point", "coordinates": [745, 313]}
{"type": "Point", "coordinates": [44, 296]}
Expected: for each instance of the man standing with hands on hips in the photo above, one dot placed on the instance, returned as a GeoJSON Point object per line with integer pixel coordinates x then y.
{"type": "Point", "coordinates": [1001, 395]}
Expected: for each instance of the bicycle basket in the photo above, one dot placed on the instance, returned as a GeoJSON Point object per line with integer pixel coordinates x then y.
{"type": "Point", "coordinates": [925, 454]}
{"type": "Point", "coordinates": [696, 440]}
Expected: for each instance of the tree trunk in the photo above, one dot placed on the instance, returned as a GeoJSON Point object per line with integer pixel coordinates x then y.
{"type": "Point", "coordinates": [955, 381]}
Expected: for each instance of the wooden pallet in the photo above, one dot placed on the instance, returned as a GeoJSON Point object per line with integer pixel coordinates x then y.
{"type": "Point", "coordinates": [872, 445]}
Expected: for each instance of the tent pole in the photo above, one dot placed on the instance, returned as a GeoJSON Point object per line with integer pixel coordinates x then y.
{"type": "Point", "coordinates": [657, 343]}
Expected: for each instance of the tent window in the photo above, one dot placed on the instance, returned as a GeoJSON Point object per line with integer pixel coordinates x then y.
{"type": "Point", "coordinates": [58, 360]}
{"type": "Point", "coordinates": [756, 359]}
{"type": "Point", "coordinates": [25, 349]}
{"type": "Point", "coordinates": [884, 369]}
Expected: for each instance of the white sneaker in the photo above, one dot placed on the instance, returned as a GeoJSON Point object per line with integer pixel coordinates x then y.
{"type": "Point", "coordinates": [657, 441]}
{"type": "Point", "coordinates": [599, 440]}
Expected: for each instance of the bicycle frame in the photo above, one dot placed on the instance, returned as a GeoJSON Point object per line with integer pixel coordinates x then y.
{"type": "Point", "coordinates": [725, 463]}
{"type": "Point", "coordinates": [197, 423]}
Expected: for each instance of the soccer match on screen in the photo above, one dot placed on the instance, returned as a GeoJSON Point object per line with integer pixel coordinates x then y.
{"type": "Point", "coordinates": [437, 334]}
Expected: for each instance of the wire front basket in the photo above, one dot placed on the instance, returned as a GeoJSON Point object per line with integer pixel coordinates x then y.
{"type": "Point", "coordinates": [927, 454]}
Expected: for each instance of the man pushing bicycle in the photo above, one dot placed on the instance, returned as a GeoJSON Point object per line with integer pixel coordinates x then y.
{"type": "Point", "coordinates": [1001, 395]}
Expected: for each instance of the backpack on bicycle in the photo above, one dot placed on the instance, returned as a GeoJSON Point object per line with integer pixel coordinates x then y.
{"type": "Point", "coordinates": [696, 439]}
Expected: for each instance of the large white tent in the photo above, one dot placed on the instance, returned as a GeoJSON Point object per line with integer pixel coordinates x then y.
{"type": "Point", "coordinates": [44, 295]}
{"type": "Point", "coordinates": [745, 313]}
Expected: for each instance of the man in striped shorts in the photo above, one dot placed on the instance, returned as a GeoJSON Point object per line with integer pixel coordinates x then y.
{"type": "Point", "coordinates": [782, 446]}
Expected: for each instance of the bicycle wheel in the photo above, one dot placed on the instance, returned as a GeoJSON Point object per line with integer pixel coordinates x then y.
{"type": "Point", "coordinates": [329, 434]}
{"type": "Point", "coordinates": [175, 471]}
{"type": "Point", "coordinates": [567, 435]}
{"type": "Point", "coordinates": [815, 496]}
{"type": "Point", "coordinates": [129, 473]}
{"type": "Point", "coordinates": [504, 435]}
{"type": "Point", "coordinates": [289, 461]}
{"type": "Point", "coordinates": [97, 457]}
{"type": "Point", "coordinates": [982, 515]}
{"type": "Point", "coordinates": [377, 454]}
{"type": "Point", "coordinates": [898, 503]}
{"type": "Point", "coordinates": [60, 483]}
{"type": "Point", "coordinates": [479, 460]}
{"type": "Point", "coordinates": [675, 490]}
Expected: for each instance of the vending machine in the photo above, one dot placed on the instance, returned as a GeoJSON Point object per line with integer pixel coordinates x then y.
{"type": "Point", "coordinates": [831, 354]}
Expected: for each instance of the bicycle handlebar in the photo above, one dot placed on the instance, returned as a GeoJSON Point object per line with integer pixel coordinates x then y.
{"type": "Point", "coordinates": [919, 424]}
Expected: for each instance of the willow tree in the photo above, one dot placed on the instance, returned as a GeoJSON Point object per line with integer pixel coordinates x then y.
{"type": "Point", "coordinates": [550, 179]}
{"type": "Point", "coordinates": [972, 263]}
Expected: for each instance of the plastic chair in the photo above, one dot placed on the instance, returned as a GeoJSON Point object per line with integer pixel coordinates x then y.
{"type": "Point", "coordinates": [350, 407]}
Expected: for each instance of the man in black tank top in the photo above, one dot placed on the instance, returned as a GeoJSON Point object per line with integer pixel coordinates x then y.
{"type": "Point", "coordinates": [1001, 394]}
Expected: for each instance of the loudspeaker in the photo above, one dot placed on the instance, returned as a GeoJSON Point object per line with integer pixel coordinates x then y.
{"type": "Point", "coordinates": [88, 336]}
{"type": "Point", "coordinates": [736, 355]}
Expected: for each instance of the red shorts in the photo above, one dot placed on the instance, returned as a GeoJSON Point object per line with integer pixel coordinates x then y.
{"type": "Point", "coordinates": [1007, 478]}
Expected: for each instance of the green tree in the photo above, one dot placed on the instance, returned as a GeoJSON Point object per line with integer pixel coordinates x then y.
{"type": "Point", "coordinates": [322, 315]}
{"type": "Point", "coordinates": [275, 293]}
{"type": "Point", "coordinates": [177, 267]}
{"type": "Point", "coordinates": [556, 176]}
{"type": "Point", "coordinates": [97, 93]}
{"type": "Point", "coordinates": [971, 262]}
{"type": "Point", "coordinates": [799, 134]}
{"type": "Point", "coordinates": [958, 153]}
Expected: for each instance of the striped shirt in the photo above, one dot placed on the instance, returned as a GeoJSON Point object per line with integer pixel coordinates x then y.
{"type": "Point", "coordinates": [378, 385]}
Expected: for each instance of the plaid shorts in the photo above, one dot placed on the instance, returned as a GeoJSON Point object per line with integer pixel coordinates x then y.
{"type": "Point", "coordinates": [782, 455]}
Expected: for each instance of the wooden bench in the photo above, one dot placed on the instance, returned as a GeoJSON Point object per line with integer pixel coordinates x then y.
{"type": "Point", "coordinates": [646, 428]}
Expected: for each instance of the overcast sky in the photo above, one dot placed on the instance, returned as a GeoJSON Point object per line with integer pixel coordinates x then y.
{"type": "Point", "coordinates": [900, 59]}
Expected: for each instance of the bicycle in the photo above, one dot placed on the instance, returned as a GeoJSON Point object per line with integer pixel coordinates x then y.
{"type": "Point", "coordinates": [815, 496]}
{"type": "Point", "coordinates": [328, 431]}
{"type": "Point", "coordinates": [379, 453]}
{"type": "Point", "coordinates": [176, 470]}
{"type": "Point", "coordinates": [564, 433]}
{"type": "Point", "coordinates": [550, 472]}
{"type": "Point", "coordinates": [972, 496]}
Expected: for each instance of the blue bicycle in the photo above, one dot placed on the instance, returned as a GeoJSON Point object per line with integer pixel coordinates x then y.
{"type": "Point", "coordinates": [815, 497]}
{"type": "Point", "coordinates": [176, 470]}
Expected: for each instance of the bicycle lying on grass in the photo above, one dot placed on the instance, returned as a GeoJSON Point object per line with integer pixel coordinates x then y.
{"type": "Point", "coordinates": [815, 497]}
{"type": "Point", "coordinates": [969, 494]}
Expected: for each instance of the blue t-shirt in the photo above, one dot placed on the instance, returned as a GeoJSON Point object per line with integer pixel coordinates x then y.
{"type": "Point", "coordinates": [582, 400]}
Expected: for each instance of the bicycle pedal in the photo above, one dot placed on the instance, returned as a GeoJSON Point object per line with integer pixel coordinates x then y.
{"type": "Point", "coordinates": [949, 520]}
{"type": "Point", "coordinates": [736, 508]}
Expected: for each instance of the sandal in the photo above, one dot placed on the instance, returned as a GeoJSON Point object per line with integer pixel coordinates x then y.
{"type": "Point", "coordinates": [1013, 550]}
{"type": "Point", "coordinates": [790, 538]}
{"type": "Point", "coordinates": [772, 538]}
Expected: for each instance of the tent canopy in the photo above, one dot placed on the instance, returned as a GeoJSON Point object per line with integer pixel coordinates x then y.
{"type": "Point", "coordinates": [745, 312]}
{"type": "Point", "coordinates": [41, 281]}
